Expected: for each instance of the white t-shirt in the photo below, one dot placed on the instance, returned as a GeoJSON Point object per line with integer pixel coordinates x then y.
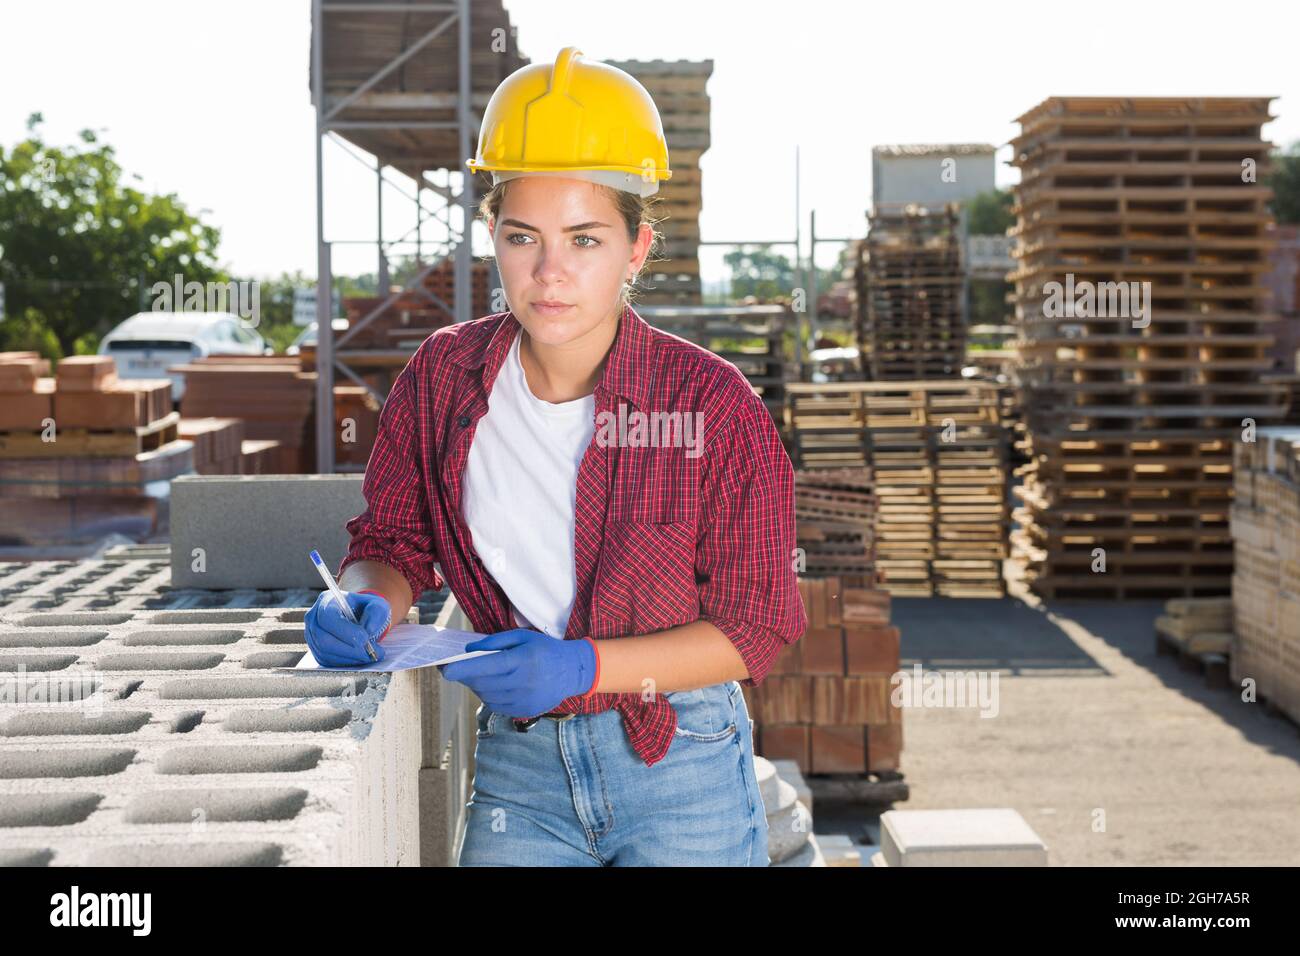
{"type": "Point", "coordinates": [520, 491]}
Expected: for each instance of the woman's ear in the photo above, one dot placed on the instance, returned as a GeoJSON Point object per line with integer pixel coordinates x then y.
{"type": "Point", "coordinates": [641, 248]}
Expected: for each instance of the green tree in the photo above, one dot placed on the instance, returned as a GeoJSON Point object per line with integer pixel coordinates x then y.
{"type": "Point", "coordinates": [80, 247]}
{"type": "Point", "coordinates": [1285, 181]}
{"type": "Point", "coordinates": [760, 272]}
{"type": "Point", "coordinates": [989, 213]}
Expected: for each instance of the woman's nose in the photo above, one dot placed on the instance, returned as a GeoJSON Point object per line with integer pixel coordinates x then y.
{"type": "Point", "coordinates": [551, 262]}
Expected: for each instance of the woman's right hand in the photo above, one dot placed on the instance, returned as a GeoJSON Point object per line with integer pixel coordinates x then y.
{"type": "Point", "coordinates": [337, 642]}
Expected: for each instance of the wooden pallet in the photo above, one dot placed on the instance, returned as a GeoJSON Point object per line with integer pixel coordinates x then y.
{"type": "Point", "coordinates": [1130, 428]}
{"type": "Point", "coordinates": [909, 281]}
{"type": "Point", "coordinates": [1212, 664]}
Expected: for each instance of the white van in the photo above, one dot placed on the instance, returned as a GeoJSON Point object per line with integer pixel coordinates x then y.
{"type": "Point", "coordinates": [148, 343]}
{"type": "Point", "coordinates": [308, 335]}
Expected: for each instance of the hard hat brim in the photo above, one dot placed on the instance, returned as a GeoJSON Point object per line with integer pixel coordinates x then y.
{"type": "Point", "coordinates": [614, 178]}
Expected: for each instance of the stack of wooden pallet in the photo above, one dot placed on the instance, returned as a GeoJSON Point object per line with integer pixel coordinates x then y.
{"type": "Point", "coordinates": [672, 274]}
{"type": "Point", "coordinates": [910, 316]}
{"type": "Point", "coordinates": [1289, 382]}
{"type": "Point", "coordinates": [752, 337]}
{"type": "Point", "coordinates": [84, 453]}
{"type": "Point", "coordinates": [1141, 238]}
{"type": "Point", "coordinates": [1266, 580]}
{"type": "Point", "coordinates": [826, 703]}
{"type": "Point", "coordinates": [835, 516]}
{"type": "Point", "coordinates": [938, 456]}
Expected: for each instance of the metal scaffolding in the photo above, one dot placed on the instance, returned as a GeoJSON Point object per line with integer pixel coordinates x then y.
{"type": "Point", "coordinates": [407, 83]}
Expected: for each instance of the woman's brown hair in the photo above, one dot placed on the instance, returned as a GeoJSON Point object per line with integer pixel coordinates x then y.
{"type": "Point", "coordinates": [634, 210]}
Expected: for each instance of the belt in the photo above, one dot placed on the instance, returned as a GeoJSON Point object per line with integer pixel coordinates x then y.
{"type": "Point", "coordinates": [525, 725]}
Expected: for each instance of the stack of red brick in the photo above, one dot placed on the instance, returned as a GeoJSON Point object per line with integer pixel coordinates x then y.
{"type": "Point", "coordinates": [82, 452]}
{"type": "Point", "coordinates": [271, 394]}
{"type": "Point", "coordinates": [273, 403]}
{"type": "Point", "coordinates": [826, 704]}
{"type": "Point", "coordinates": [410, 318]}
{"type": "Point", "coordinates": [219, 445]}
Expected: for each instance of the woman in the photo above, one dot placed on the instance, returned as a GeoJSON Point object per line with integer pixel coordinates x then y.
{"type": "Point", "coordinates": [581, 477]}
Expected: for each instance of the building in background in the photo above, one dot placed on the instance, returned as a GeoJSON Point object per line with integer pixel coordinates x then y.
{"type": "Point", "coordinates": [931, 174]}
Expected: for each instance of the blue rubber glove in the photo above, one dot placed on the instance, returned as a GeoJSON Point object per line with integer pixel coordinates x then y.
{"type": "Point", "coordinates": [337, 642]}
{"type": "Point", "coordinates": [531, 673]}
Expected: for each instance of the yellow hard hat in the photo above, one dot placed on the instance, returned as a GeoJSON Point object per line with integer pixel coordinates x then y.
{"type": "Point", "coordinates": [578, 118]}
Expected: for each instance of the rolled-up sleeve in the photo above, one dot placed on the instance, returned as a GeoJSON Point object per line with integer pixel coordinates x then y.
{"type": "Point", "coordinates": [745, 554]}
{"type": "Point", "coordinates": [396, 528]}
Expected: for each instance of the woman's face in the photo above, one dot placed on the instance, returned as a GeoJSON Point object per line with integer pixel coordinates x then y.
{"type": "Point", "coordinates": [562, 241]}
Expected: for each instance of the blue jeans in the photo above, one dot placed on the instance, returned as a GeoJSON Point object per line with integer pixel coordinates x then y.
{"type": "Point", "coordinates": [574, 792]}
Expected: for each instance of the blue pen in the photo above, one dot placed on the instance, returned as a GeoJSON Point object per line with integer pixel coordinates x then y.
{"type": "Point", "coordinates": [338, 596]}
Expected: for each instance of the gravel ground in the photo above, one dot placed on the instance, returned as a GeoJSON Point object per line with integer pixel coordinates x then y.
{"type": "Point", "coordinates": [1114, 756]}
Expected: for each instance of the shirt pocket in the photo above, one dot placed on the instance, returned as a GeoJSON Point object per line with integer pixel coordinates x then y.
{"type": "Point", "coordinates": [646, 580]}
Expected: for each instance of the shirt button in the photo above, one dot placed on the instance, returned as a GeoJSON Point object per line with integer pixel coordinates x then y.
{"type": "Point", "coordinates": [463, 421]}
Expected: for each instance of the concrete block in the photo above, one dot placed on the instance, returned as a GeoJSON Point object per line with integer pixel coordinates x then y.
{"type": "Point", "coordinates": [809, 854]}
{"type": "Point", "coordinates": [788, 770]}
{"type": "Point", "coordinates": [132, 733]}
{"type": "Point", "coordinates": [838, 849]}
{"type": "Point", "coordinates": [976, 837]}
{"type": "Point", "coordinates": [256, 531]}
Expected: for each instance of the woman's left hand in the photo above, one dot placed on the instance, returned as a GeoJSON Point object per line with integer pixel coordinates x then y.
{"type": "Point", "coordinates": [529, 675]}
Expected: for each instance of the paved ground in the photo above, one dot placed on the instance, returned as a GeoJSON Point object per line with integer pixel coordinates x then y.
{"type": "Point", "coordinates": [1092, 723]}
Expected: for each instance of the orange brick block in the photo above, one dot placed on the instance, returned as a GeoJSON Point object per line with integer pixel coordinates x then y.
{"type": "Point", "coordinates": [838, 749]}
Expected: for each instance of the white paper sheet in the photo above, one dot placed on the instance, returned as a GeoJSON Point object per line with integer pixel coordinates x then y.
{"type": "Point", "coordinates": [409, 646]}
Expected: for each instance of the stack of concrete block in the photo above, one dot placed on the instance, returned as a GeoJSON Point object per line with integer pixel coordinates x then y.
{"type": "Point", "coordinates": [837, 849]}
{"type": "Point", "coordinates": [173, 738]}
{"type": "Point", "coordinates": [975, 837]}
{"type": "Point", "coordinates": [790, 839]}
{"type": "Point", "coordinates": [146, 726]}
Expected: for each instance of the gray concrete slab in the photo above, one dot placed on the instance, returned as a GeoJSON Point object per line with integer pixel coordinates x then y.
{"type": "Point", "coordinates": [220, 536]}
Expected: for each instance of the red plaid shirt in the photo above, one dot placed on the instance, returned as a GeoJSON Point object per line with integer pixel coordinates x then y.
{"type": "Point", "coordinates": [663, 535]}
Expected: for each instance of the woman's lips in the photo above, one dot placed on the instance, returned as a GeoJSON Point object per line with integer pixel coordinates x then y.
{"type": "Point", "coordinates": [550, 309]}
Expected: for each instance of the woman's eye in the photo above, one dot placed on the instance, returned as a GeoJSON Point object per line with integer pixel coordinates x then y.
{"type": "Point", "coordinates": [520, 235]}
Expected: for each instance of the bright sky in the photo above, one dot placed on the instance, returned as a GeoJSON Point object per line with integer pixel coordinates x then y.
{"type": "Point", "coordinates": [209, 98]}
